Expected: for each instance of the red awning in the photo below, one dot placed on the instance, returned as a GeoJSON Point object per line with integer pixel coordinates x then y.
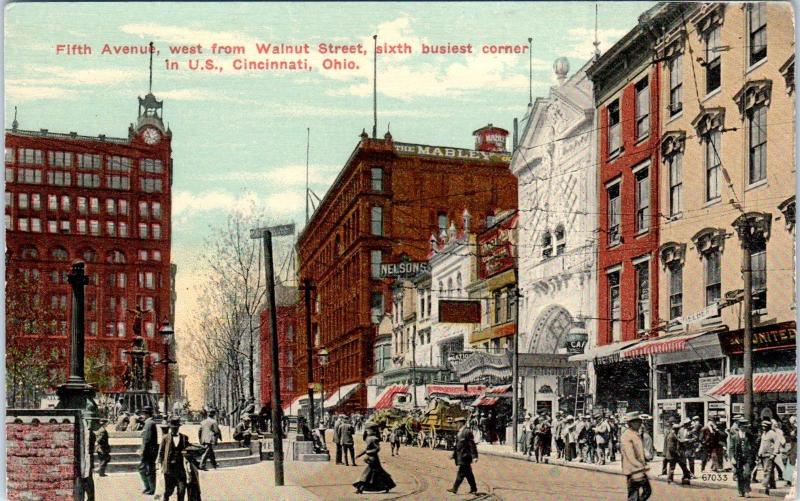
{"type": "Point", "coordinates": [668, 344]}
{"type": "Point", "coordinates": [386, 399]}
{"type": "Point", "coordinates": [767, 382]}
{"type": "Point", "coordinates": [485, 401]}
{"type": "Point", "coordinates": [499, 390]}
{"type": "Point", "coordinates": [455, 390]}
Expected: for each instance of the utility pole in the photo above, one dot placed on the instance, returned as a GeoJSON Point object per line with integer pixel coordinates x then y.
{"type": "Point", "coordinates": [414, 363]}
{"type": "Point", "coordinates": [277, 429]}
{"type": "Point", "coordinates": [515, 365]}
{"type": "Point", "coordinates": [307, 288]}
{"type": "Point", "coordinates": [750, 226]}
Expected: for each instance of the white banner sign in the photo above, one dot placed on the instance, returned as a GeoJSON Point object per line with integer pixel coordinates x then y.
{"type": "Point", "coordinates": [709, 311]}
{"type": "Point", "coordinates": [706, 384]}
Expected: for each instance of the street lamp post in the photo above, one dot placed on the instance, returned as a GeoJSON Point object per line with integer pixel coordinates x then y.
{"type": "Point", "coordinates": [167, 333]}
{"type": "Point", "coordinates": [277, 430]}
{"type": "Point", "coordinates": [323, 361]}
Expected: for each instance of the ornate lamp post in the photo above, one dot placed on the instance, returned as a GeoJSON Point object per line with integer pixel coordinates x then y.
{"type": "Point", "coordinates": [323, 361]}
{"type": "Point", "coordinates": [167, 333]}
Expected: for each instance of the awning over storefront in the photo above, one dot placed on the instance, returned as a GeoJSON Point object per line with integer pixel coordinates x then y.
{"type": "Point", "coordinates": [665, 344]}
{"type": "Point", "coordinates": [485, 401]}
{"type": "Point", "coordinates": [340, 395]}
{"type": "Point", "coordinates": [455, 390]}
{"type": "Point", "coordinates": [604, 354]}
{"type": "Point", "coordinates": [492, 395]}
{"type": "Point", "coordinates": [293, 407]}
{"type": "Point", "coordinates": [766, 382]}
{"type": "Point", "coordinates": [386, 399]}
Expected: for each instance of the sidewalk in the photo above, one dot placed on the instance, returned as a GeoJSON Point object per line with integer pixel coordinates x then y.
{"type": "Point", "coordinates": [717, 480]}
{"type": "Point", "coordinates": [243, 483]}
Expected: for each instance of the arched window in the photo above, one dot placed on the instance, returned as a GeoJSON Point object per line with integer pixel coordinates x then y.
{"type": "Point", "coordinates": [59, 253]}
{"type": "Point", "coordinates": [29, 252]}
{"type": "Point", "coordinates": [115, 256]}
{"type": "Point", "coordinates": [449, 286]}
{"type": "Point", "coordinates": [561, 239]}
{"type": "Point", "coordinates": [547, 245]}
{"type": "Point", "coordinates": [458, 283]}
{"type": "Point", "coordinates": [89, 255]}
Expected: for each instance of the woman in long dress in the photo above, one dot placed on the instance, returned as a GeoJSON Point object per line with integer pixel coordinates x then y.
{"type": "Point", "coordinates": [374, 478]}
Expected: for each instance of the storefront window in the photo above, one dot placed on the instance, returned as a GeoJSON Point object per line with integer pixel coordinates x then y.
{"type": "Point", "coordinates": [683, 380]}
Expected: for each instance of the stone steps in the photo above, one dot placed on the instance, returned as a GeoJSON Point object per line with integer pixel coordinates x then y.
{"type": "Point", "coordinates": [132, 466]}
{"type": "Point", "coordinates": [125, 457]}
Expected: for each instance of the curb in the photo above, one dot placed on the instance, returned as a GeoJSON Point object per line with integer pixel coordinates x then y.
{"type": "Point", "coordinates": [779, 493]}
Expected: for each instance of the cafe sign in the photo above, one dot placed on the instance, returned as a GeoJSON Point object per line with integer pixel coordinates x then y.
{"type": "Point", "coordinates": [496, 248]}
{"type": "Point", "coordinates": [765, 337]}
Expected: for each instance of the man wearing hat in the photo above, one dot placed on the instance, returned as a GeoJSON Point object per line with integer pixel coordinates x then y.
{"type": "Point", "coordinates": [686, 441]}
{"type": "Point", "coordinates": [464, 454]}
{"type": "Point", "coordinates": [647, 439]}
{"type": "Point", "coordinates": [103, 448]}
{"type": "Point", "coordinates": [741, 454]}
{"type": "Point", "coordinates": [634, 464]}
{"type": "Point", "coordinates": [210, 434]}
{"type": "Point", "coordinates": [149, 452]}
{"type": "Point", "coordinates": [242, 432]}
{"type": "Point", "coordinates": [767, 451]}
{"type": "Point", "coordinates": [346, 433]}
{"type": "Point", "coordinates": [673, 456]}
{"type": "Point", "coordinates": [170, 459]}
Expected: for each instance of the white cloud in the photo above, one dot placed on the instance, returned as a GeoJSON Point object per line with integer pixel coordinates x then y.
{"type": "Point", "coordinates": [58, 76]}
{"type": "Point", "coordinates": [582, 38]}
{"type": "Point", "coordinates": [187, 205]}
{"type": "Point", "coordinates": [22, 92]}
{"type": "Point", "coordinates": [173, 34]}
{"type": "Point", "coordinates": [288, 175]}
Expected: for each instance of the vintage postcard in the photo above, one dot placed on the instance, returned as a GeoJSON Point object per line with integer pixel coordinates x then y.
{"type": "Point", "coordinates": [428, 250]}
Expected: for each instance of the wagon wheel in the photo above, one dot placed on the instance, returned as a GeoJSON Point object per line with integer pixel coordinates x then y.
{"type": "Point", "coordinates": [434, 438]}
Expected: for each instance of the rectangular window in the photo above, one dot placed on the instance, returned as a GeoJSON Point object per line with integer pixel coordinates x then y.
{"type": "Point", "coordinates": [94, 227]}
{"type": "Point", "coordinates": [156, 232]}
{"type": "Point", "coordinates": [29, 176]}
{"type": "Point", "coordinates": [497, 306]}
{"type": "Point", "coordinates": [156, 255]}
{"type": "Point", "coordinates": [150, 185]}
{"type": "Point", "coordinates": [675, 85]}
{"type": "Point", "coordinates": [123, 207]}
{"type": "Point", "coordinates": [87, 180]}
{"type": "Point", "coordinates": [675, 184]}
{"type": "Point", "coordinates": [614, 129]}
{"type": "Point", "coordinates": [675, 291]}
{"type": "Point", "coordinates": [9, 200]}
{"type": "Point", "coordinates": [111, 229]}
{"type": "Point", "coordinates": [81, 203]}
{"type": "Point", "coordinates": [642, 200]}
{"type": "Point", "coordinates": [64, 226]}
{"type": "Point", "coordinates": [712, 161]}
{"type": "Point", "coordinates": [30, 156]}
{"type": "Point", "coordinates": [156, 210]}
{"type": "Point", "coordinates": [89, 161]}
{"type": "Point", "coordinates": [614, 215]}
{"type": "Point", "coordinates": [149, 281]}
{"type": "Point", "coordinates": [9, 175]}
{"type": "Point", "coordinates": [151, 166]}
{"type": "Point", "coordinates": [81, 225]}
{"type": "Point", "coordinates": [9, 155]}
{"type": "Point", "coordinates": [22, 200]}
{"type": "Point", "coordinates": [642, 109]}
{"type": "Point", "coordinates": [757, 25]}
{"type": "Point", "coordinates": [713, 61]}
{"type": "Point", "coordinates": [52, 202]}
{"type": "Point", "coordinates": [375, 259]}
{"type": "Point", "coordinates": [122, 164]}
{"type": "Point", "coordinates": [118, 182]}
{"type": "Point", "coordinates": [143, 209]}
{"type": "Point", "coordinates": [142, 230]}
{"type": "Point", "coordinates": [377, 179]}
{"type": "Point", "coordinates": [142, 255]}
{"type": "Point", "coordinates": [52, 226]}
{"type": "Point", "coordinates": [22, 224]}
{"type": "Point", "coordinates": [94, 205]}
{"type": "Point", "coordinates": [65, 203]}
{"type": "Point", "coordinates": [36, 225]}
{"type": "Point", "coordinates": [758, 144]}
{"type": "Point", "coordinates": [123, 230]}
{"type": "Point", "coordinates": [642, 296]}
{"type": "Point", "coordinates": [614, 307]}
{"type": "Point", "coordinates": [58, 178]}
{"type": "Point", "coordinates": [62, 159]}
{"type": "Point", "coordinates": [111, 206]}
{"type": "Point", "coordinates": [713, 276]}
{"type": "Point", "coordinates": [376, 221]}
{"type": "Point", "coordinates": [376, 302]}
{"type": "Point", "coordinates": [36, 201]}
{"type": "Point", "coordinates": [758, 265]}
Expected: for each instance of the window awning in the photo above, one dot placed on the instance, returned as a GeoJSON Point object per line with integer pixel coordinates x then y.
{"type": "Point", "coordinates": [665, 344]}
{"type": "Point", "coordinates": [492, 395]}
{"type": "Point", "coordinates": [766, 382]}
{"type": "Point", "coordinates": [386, 399]}
{"type": "Point", "coordinates": [340, 395]}
{"type": "Point", "coordinates": [485, 401]}
{"type": "Point", "coordinates": [455, 390]}
{"type": "Point", "coordinates": [604, 354]}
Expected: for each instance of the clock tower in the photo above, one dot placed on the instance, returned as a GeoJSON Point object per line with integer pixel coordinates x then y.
{"type": "Point", "coordinates": [149, 126]}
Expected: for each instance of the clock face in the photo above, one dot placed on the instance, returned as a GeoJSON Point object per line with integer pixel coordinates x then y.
{"type": "Point", "coordinates": [151, 136]}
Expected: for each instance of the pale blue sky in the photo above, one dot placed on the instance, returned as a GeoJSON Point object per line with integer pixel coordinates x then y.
{"type": "Point", "coordinates": [241, 136]}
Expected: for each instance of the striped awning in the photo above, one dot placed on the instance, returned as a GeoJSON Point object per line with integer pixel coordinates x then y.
{"type": "Point", "coordinates": [766, 382]}
{"type": "Point", "coordinates": [485, 401]}
{"type": "Point", "coordinates": [603, 354]}
{"type": "Point", "coordinates": [341, 394]}
{"type": "Point", "coordinates": [666, 344]}
{"type": "Point", "coordinates": [386, 399]}
{"type": "Point", "coordinates": [455, 390]}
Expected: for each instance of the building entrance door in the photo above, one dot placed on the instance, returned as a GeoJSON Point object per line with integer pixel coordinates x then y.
{"type": "Point", "coordinates": [696, 409]}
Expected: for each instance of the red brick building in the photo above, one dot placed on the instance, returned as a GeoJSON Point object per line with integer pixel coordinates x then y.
{"type": "Point", "coordinates": [286, 299]}
{"type": "Point", "coordinates": [386, 202]}
{"type": "Point", "coordinates": [104, 200]}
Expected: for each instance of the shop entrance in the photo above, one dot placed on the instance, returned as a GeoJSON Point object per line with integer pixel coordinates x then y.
{"type": "Point", "coordinates": [696, 409]}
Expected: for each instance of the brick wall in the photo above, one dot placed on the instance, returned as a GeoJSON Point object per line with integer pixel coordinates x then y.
{"type": "Point", "coordinates": [41, 454]}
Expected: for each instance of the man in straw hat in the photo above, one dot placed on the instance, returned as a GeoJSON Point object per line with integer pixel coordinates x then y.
{"type": "Point", "coordinates": [634, 464]}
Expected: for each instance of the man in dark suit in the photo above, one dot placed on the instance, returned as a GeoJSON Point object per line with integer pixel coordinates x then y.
{"type": "Point", "coordinates": [147, 464]}
{"type": "Point", "coordinates": [170, 459]}
{"type": "Point", "coordinates": [464, 455]}
{"type": "Point", "coordinates": [346, 432]}
{"type": "Point", "coordinates": [741, 453]}
{"type": "Point", "coordinates": [103, 448]}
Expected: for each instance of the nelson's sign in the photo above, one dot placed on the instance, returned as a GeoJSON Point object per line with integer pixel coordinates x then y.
{"type": "Point", "coordinates": [404, 269]}
{"type": "Point", "coordinates": [446, 152]}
